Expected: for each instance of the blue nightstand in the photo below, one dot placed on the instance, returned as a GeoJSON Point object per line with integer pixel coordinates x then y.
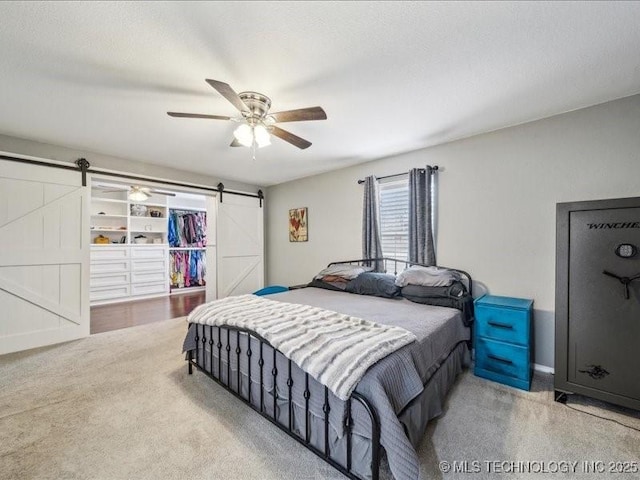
{"type": "Point", "coordinates": [503, 340]}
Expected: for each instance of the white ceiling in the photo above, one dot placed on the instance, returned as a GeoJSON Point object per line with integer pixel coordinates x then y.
{"type": "Point", "coordinates": [392, 77]}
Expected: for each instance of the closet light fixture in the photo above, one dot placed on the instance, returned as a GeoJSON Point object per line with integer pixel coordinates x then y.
{"type": "Point", "coordinates": [138, 195]}
{"type": "Point", "coordinates": [247, 135]}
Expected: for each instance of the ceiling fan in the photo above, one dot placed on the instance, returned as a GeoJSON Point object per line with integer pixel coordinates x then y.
{"type": "Point", "coordinates": [256, 123]}
{"type": "Point", "coordinates": [138, 193]}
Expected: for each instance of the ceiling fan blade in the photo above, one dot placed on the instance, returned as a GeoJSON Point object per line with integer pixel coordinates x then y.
{"type": "Point", "coordinates": [166, 194]}
{"type": "Point", "coordinates": [106, 186]}
{"type": "Point", "coordinates": [227, 92]}
{"type": "Point", "coordinates": [300, 115]}
{"type": "Point", "coordinates": [197, 115]}
{"type": "Point", "coordinates": [290, 137]}
{"type": "Point", "coordinates": [114, 190]}
{"type": "Point", "coordinates": [236, 143]}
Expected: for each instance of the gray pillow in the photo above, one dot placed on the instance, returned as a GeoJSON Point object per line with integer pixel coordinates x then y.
{"type": "Point", "coordinates": [376, 284]}
{"type": "Point", "coordinates": [455, 290]}
{"type": "Point", "coordinates": [343, 270]}
{"type": "Point", "coordinates": [427, 276]}
{"type": "Point", "coordinates": [453, 296]}
{"type": "Point", "coordinates": [334, 286]}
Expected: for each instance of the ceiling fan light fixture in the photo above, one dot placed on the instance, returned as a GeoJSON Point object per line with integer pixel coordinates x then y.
{"type": "Point", "coordinates": [262, 136]}
{"type": "Point", "coordinates": [257, 124]}
{"type": "Point", "coordinates": [138, 196]}
{"type": "Point", "coordinates": [244, 135]}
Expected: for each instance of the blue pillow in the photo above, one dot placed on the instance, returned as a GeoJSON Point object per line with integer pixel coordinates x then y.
{"type": "Point", "coordinates": [376, 284]}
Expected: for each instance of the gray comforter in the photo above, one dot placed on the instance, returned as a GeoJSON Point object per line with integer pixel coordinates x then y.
{"type": "Point", "coordinates": [392, 383]}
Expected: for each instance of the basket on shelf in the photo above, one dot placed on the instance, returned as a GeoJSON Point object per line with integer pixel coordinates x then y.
{"type": "Point", "coordinates": [138, 210]}
{"type": "Point", "coordinates": [101, 240]}
{"type": "Point", "coordinates": [140, 239]}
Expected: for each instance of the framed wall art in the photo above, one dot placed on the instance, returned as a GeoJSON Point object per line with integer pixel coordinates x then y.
{"type": "Point", "coordinates": [298, 219]}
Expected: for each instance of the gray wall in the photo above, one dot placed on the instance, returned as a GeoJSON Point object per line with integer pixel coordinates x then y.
{"type": "Point", "coordinates": [497, 196]}
{"type": "Point", "coordinates": [97, 160]}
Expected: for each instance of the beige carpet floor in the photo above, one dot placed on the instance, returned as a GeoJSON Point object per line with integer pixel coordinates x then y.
{"type": "Point", "coordinates": [120, 405]}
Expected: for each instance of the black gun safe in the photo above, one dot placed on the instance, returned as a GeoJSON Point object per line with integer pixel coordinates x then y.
{"type": "Point", "coordinates": [598, 300]}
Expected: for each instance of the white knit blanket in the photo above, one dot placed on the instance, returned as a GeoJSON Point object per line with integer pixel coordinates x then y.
{"type": "Point", "coordinates": [334, 348]}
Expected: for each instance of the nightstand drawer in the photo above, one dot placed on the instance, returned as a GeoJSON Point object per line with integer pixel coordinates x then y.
{"type": "Point", "coordinates": [507, 325]}
{"type": "Point", "coordinates": [502, 358]}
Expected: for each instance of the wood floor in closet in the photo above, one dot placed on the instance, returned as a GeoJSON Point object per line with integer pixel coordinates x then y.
{"type": "Point", "coordinates": [105, 318]}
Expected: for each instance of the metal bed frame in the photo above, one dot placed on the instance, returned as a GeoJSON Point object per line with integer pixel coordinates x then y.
{"type": "Point", "coordinates": [205, 334]}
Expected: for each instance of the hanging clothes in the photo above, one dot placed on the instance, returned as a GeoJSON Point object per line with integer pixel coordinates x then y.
{"type": "Point", "coordinates": [187, 228]}
{"type": "Point", "coordinates": [188, 268]}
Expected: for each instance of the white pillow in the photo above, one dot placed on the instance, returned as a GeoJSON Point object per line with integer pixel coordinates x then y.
{"type": "Point", "coordinates": [343, 270]}
{"type": "Point", "coordinates": [427, 277]}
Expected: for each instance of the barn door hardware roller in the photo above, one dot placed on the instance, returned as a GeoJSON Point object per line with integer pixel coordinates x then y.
{"type": "Point", "coordinates": [84, 165]}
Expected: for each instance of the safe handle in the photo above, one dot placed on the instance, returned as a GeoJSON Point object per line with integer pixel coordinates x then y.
{"type": "Point", "coordinates": [500, 325]}
{"type": "Point", "coordinates": [500, 359]}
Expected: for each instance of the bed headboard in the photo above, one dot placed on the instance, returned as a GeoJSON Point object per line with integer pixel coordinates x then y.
{"type": "Point", "coordinates": [385, 264]}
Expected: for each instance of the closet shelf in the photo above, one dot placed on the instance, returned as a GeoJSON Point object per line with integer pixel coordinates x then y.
{"type": "Point", "coordinates": [147, 244]}
{"type": "Point", "coordinates": [179, 290]}
{"type": "Point", "coordinates": [182, 249]}
{"type": "Point", "coordinates": [155, 205]}
{"type": "Point", "coordinates": [96, 215]}
{"type": "Point", "coordinates": [108, 200]}
{"type": "Point", "coordinates": [188, 209]}
{"type": "Point", "coordinates": [93, 229]}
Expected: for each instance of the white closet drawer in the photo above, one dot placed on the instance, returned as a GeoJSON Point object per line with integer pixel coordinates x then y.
{"type": "Point", "coordinates": [109, 280]}
{"type": "Point", "coordinates": [148, 252]}
{"type": "Point", "coordinates": [108, 293]}
{"type": "Point", "coordinates": [149, 265]}
{"type": "Point", "coordinates": [99, 268]}
{"type": "Point", "coordinates": [149, 288]}
{"type": "Point", "coordinates": [149, 277]}
{"type": "Point", "coordinates": [109, 253]}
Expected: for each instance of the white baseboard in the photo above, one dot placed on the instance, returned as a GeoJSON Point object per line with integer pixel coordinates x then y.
{"type": "Point", "coordinates": [543, 368]}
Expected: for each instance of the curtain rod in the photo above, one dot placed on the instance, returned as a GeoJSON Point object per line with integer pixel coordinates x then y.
{"type": "Point", "coordinates": [431, 170]}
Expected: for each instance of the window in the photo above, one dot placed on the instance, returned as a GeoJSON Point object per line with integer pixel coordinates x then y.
{"type": "Point", "coordinates": [394, 218]}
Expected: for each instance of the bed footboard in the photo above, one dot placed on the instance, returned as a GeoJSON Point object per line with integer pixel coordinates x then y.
{"type": "Point", "coordinates": [246, 364]}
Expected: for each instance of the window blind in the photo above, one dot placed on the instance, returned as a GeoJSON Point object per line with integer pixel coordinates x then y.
{"type": "Point", "coordinates": [394, 218]}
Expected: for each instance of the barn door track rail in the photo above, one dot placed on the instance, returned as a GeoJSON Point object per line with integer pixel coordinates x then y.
{"type": "Point", "coordinates": [84, 167]}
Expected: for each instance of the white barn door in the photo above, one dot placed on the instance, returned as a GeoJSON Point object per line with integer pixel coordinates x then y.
{"type": "Point", "coordinates": [240, 245]}
{"type": "Point", "coordinates": [44, 256]}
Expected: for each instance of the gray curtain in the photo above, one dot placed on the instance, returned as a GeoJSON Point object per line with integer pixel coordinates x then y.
{"type": "Point", "coordinates": [371, 242]}
{"type": "Point", "coordinates": [421, 248]}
